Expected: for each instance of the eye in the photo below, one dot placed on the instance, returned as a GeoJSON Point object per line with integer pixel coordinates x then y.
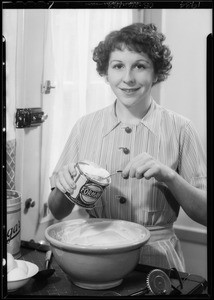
{"type": "Point", "coordinates": [140, 66]}
{"type": "Point", "coordinates": [118, 66]}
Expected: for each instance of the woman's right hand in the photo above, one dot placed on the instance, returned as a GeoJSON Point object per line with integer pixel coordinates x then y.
{"type": "Point", "coordinates": [64, 178]}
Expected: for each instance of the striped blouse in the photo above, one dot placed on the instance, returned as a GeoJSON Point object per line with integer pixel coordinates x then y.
{"type": "Point", "coordinates": [170, 138]}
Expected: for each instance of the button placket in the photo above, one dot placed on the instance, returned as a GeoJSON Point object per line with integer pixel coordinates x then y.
{"type": "Point", "coordinates": [128, 130]}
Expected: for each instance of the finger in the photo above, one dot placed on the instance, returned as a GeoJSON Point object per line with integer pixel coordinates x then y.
{"type": "Point", "coordinates": [59, 186]}
{"type": "Point", "coordinates": [151, 172]}
{"type": "Point", "coordinates": [139, 175]}
{"type": "Point", "coordinates": [125, 172]}
{"type": "Point", "coordinates": [65, 181]}
{"type": "Point", "coordinates": [72, 169]}
{"type": "Point", "coordinates": [68, 177]}
{"type": "Point", "coordinates": [140, 170]}
{"type": "Point", "coordinates": [66, 173]}
{"type": "Point", "coordinates": [130, 169]}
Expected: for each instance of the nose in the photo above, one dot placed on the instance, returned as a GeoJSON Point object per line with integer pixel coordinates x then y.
{"type": "Point", "coordinates": [128, 77]}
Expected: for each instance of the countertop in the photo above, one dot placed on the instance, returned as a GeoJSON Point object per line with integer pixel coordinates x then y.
{"type": "Point", "coordinates": [60, 285]}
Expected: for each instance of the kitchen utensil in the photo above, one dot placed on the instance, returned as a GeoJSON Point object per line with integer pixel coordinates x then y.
{"type": "Point", "coordinates": [102, 251]}
{"type": "Point", "coordinates": [47, 272]}
{"type": "Point", "coordinates": [118, 171]}
{"type": "Point", "coordinates": [158, 282]}
{"type": "Point", "coordinates": [48, 259]}
{"type": "Point", "coordinates": [13, 285]}
{"type": "Point", "coordinates": [44, 274]}
{"type": "Point", "coordinates": [40, 246]}
{"type": "Point", "coordinates": [91, 181]}
{"type": "Point", "coordinates": [114, 173]}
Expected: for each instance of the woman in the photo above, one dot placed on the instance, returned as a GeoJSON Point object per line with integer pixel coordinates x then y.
{"type": "Point", "coordinates": [159, 152]}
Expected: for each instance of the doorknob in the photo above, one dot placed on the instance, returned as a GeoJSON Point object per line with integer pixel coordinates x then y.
{"type": "Point", "coordinates": [28, 203]}
{"type": "Point", "coordinates": [46, 88]}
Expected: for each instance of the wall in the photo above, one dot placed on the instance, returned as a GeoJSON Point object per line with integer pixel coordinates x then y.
{"type": "Point", "coordinates": [185, 92]}
{"type": "Point", "coordinates": [186, 32]}
{"type": "Point", "coordinates": [185, 89]}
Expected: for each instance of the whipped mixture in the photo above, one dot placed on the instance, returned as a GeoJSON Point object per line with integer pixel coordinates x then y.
{"type": "Point", "coordinates": [94, 171]}
{"type": "Point", "coordinates": [103, 233]}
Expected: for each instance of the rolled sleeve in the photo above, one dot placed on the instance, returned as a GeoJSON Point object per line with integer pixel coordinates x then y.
{"type": "Point", "coordinates": [192, 161]}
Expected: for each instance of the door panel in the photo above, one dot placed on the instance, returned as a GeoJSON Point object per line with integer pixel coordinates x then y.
{"type": "Point", "coordinates": [30, 28]}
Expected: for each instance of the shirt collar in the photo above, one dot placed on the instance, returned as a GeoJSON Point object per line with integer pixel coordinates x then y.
{"type": "Point", "coordinates": [111, 120]}
{"type": "Point", "coordinates": [150, 120]}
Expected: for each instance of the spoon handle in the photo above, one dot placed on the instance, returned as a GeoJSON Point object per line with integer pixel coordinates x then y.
{"type": "Point", "coordinates": [48, 257]}
{"type": "Point", "coordinates": [35, 246]}
{"type": "Point", "coordinates": [118, 171]}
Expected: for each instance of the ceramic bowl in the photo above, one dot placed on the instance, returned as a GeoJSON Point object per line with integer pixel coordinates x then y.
{"type": "Point", "coordinates": [97, 253]}
{"type": "Point", "coordinates": [13, 285]}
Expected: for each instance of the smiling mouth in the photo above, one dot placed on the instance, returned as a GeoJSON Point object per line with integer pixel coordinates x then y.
{"type": "Point", "coordinates": [129, 91]}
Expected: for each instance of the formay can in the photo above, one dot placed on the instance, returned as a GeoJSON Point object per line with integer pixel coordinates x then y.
{"type": "Point", "coordinates": [91, 180]}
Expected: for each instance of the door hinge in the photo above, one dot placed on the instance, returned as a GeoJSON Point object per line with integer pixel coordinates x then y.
{"type": "Point", "coordinates": [29, 117]}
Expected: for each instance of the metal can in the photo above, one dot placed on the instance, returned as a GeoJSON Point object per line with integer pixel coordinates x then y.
{"type": "Point", "coordinates": [14, 223]}
{"type": "Point", "coordinates": [89, 187]}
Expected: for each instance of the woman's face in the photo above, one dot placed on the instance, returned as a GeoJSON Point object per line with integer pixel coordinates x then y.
{"type": "Point", "coordinates": [131, 76]}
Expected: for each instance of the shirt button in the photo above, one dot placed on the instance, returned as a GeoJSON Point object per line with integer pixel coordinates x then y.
{"type": "Point", "coordinates": [126, 150]}
{"type": "Point", "coordinates": [128, 129]}
{"type": "Point", "coordinates": [122, 200]}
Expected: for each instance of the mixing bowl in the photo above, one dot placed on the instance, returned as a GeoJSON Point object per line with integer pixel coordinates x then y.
{"type": "Point", "coordinates": [97, 253]}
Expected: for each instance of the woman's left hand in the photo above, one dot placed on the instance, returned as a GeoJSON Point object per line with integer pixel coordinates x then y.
{"type": "Point", "coordinates": [144, 165]}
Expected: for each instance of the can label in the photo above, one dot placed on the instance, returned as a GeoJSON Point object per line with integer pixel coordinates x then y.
{"type": "Point", "coordinates": [13, 223]}
{"type": "Point", "coordinates": [13, 231]}
{"type": "Point", "coordinates": [87, 191]}
{"type": "Point", "coordinates": [90, 193]}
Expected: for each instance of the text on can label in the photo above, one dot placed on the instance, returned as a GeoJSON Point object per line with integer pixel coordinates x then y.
{"type": "Point", "coordinates": [90, 191]}
{"type": "Point", "coordinates": [13, 231]}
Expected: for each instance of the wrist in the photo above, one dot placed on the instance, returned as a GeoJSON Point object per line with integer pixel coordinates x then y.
{"type": "Point", "coordinates": [170, 177]}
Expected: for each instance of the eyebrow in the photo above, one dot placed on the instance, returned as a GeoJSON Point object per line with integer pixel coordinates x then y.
{"type": "Point", "coordinates": [139, 60]}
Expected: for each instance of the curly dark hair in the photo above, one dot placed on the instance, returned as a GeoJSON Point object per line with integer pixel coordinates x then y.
{"type": "Point", "coordinates": [137, 37]}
